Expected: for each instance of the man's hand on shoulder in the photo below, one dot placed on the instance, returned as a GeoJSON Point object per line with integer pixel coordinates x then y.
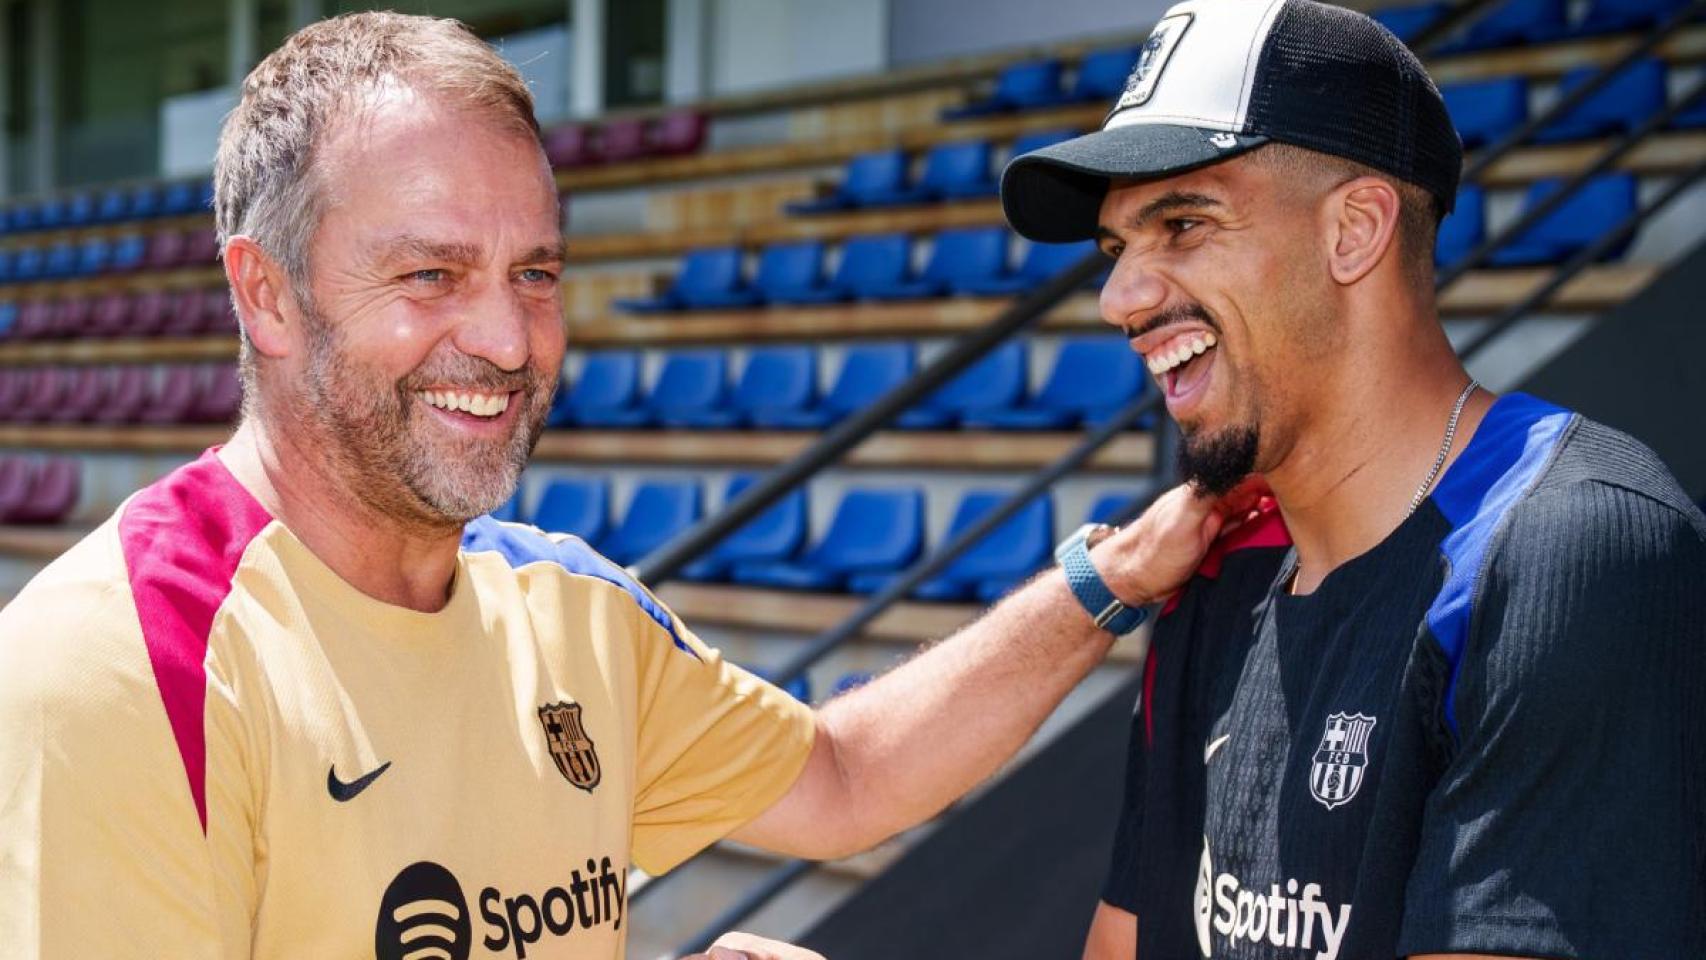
{"type": "Point", "coordinates": [745, 946]}
{"type": "Point", "coordinates": [1150, 559]}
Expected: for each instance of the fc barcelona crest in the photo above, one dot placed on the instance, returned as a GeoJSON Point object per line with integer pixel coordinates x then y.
{"type": "Point", "coordinates": [571, 748]}
{"type": "Point", "coordinates": [1341, 759]}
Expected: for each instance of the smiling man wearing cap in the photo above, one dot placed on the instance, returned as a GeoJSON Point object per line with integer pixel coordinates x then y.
{"type": "Point", "coordinates": [1443, 695]}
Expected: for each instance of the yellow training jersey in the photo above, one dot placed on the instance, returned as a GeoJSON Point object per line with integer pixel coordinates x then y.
{"type": "Point", "coordinates": [211, 746]}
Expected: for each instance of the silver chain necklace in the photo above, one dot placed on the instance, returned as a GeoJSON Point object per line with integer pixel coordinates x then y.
{"type": "Point", "coordinates": [1444, 448]}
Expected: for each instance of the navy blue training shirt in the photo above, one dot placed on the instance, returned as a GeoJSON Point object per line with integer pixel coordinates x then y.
{"type": "Point", "coordinates": [1485, 735]}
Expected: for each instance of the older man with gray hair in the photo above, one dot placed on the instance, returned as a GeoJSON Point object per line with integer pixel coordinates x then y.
{"type": "Point", "coordinates": [300, 698]}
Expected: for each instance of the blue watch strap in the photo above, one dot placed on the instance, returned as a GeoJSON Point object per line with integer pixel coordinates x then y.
{"type": "Point", "coordinates": [1092, 591]}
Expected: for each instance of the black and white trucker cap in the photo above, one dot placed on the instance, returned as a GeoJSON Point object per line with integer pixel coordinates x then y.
{"type": "Point", "coordinates": [1217, 78]}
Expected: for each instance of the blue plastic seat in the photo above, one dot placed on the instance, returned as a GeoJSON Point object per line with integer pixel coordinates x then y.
{"type": "Point", "coordinates": [575, 505]}
{"type": "Point", "coordinates": [868, 370]}
{"type": "Point", "coordinates": [777, 382]}
{"type": "Point", "coordinates": [1042, 261]}
{"type": "Point", "coordinates": [1691, 118]}
{"type": "Point", "coordinates": [26, 217]}
{"type": "Point", "coordinates": [1407, 22]}
{"type": "Point", "coordinates": [659, 511]}
{"type": "Point", "coordinates": [867, 263]}
{"type": "Point", "coordinates": [1023, 86]}
{"type": "Point", "coordinates": [80, 209]}
{"type": "Point", "coordinates": [1601, 203]}
{"type": "Point", "coordinates": [113, 205]}
{"type": "Point", "coordinates": [1514, 23]}
{"type": "Point", "coordinates": [1092, 378]}
{"type": "Point", "coordinates": [510, 510]}
{"type": "Point", "coordinates": [1103, 74]}
{"type": "Point", "coordinates": [29, 265]}
{"type": "Point", "coordinates": [774, 536]}
{"type": "Point", "coordinates": [1636, 93]}
{"type": "Point", "coordinates": [952, 171]}
{"type": "Point", "coordinates": [960, 256]}
{"type": "Point", "coordinates": [851, 680]}
{"type": "Point", "coordinates": [562, 413]}
{"type": "Point", "coordinates": [996, 382]}
{"type": "Point", "coordinates": [178, 199]}
{"type": "Point", "coordinates": [708, 279]}
{"type": "Point", "coordinates": [1042, 138]}
{"type": "Point", "coordinates": [873, 531]}
{"type": "Point", "coordinates": [790, 269]}
{"type": "Point", "coordinates": [50, 213]}
{"type": "Point", "coordinates": [8, 264]}
{"type": "Point", "coordinates": [128, 252]}
{"type": "Point", "coordinates": [607, 392]}
{"type": "Point", "coordinates": [93, 256]}
{"type": "Point", "coordinates": [61, 261]}
{"type": "Point", "coordinates": [1485, 110]}
{"type": "Point", "coordinates": [1464, 229]}
{"type": "Point", "coordinates": [145, 201]}
{"type": "Point", "coordinates": [1110, 506]}
{"type": "Point", "coordinates": [692, 390]}
{"type": "Point", "coordinates": [993, 565]}
{"type": "Point", "coordinates": [8, 317]}
{"type": "Point", "coordinates": [868, 175]}
{"type": "Point", "coordinates": [204, 194]}
{"type": "Point", "coordinates": [1616, 16]}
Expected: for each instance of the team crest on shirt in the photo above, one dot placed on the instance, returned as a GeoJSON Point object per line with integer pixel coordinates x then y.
{"type": "Point", "coordinates": [571, 748]}
{"type": "Point", "coordinates": [1341, 759]}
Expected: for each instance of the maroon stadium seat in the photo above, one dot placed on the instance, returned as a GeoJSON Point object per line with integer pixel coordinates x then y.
{"type": "Point", "coordinates": [35, 320]}
{"type": "Point", "coordinates": [127, 395]}
{"type": "Point", "coordinates": [570, 146]}
{"type": "Point", "coordinates": [620, 140]}
{"type": "Point", "coordinates": [72, 315]}
{"type": "Point", "coordinates": [174, 396]}
{"type": "Point", "coordinates": [201, 248]}
{"type": "Point", "coordinates": [53, 495]}
{"type": "Point", "coordinates": [165, 250]}
{"type": "Point", "coordinates": [17, 477]}
{"type": "Point", "coordinates": [217, 314]}
{"type": "Point", "coordinates": [13, 383]}
{"type": "Point", "coordinates": [43, 394]}
{"type": "Point", "coordinates": [220, 397]}
{"type": "Point", "coordinates": [85, 395]}
{"type": "Point", "coordinates": [183, 314]}
{"type": "Point", "coordinates": [678, 133]}
{"type": "Point", "coordinates": [111, 317]}
{"type": "Point", "coordinates": [148, 312]}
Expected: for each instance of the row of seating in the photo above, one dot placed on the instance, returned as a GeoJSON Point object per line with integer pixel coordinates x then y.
{"type": "Point", "coordinates": [98, 256]}
{"type": "Point", "coordinates": [120, 394]}
{"type": "Point", "coordinates": [1521, 22]}
{"type": "Point", "coordinates": [118, 313]}
{"type": "Point", "coordinates": [960, 170]}
{"type": "Point", "coordinates": [873, 535]}
{"type": "Point", "coordinates": [1092, 378]}
{"type": "Point", "coordinates": [973, 261]}
{"type": "Point", "coordinates": [1486, 110]}
{"type": "Point", "coordinates": [1042, 84]}
{"type": "Point", "coordinates": [1578, 223]}
{"type": "Point", "coordinates": [86, 208]}
{"type": "Point", "coordinates": [38, 491]}
{"type": "Point", "coordinates": [577, 145]}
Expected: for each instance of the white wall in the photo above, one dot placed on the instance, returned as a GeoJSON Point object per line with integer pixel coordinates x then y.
{"type": "Point", "coordinates": [757, 44]}
{"type": "Point", "coordinates": [921, 31]}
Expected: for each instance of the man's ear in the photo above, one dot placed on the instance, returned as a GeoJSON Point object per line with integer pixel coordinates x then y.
{"type": "Point", "coordinates": [260, 287]}
{"type": "Point", "coordinates": [1362, 223]}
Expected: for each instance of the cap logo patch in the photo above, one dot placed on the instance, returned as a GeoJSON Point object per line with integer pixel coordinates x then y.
{"type": "Point", "coordinates": [1224, 141]}
{"type": "Point", "coordinates": [1140, 86]}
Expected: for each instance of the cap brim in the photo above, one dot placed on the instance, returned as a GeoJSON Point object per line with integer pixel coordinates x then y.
{"type": "Point", "coordinates": [1054, 195]}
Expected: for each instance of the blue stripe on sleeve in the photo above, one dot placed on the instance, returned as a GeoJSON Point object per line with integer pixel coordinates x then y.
{"type": "Point", "coordinates": [1503, 461]}
{"type": "Point", "coordinates": [521, 545]}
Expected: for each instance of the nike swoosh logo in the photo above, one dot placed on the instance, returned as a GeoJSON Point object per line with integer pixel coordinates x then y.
{"type": "Point", "coordinates": [345, 792]}
{"type": "Point", "coordinates": [1213, 746]}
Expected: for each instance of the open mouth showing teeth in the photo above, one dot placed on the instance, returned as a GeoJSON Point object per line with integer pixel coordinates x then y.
{"type": "Point", "coordinates": [483, 405]}
{"type": "Point", "coordinates": [1174, 363]}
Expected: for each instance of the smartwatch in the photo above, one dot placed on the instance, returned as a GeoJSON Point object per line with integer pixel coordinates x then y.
{"type": "Point", "coordinates": [1107, 610]}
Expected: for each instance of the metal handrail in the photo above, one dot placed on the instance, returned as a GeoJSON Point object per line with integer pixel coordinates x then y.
{"type": "Point", "coordinates": [1427, 43]}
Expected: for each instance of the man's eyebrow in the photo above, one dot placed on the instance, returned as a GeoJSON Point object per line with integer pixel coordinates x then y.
{"type": "Point", "coordinates": [555, 252]}
{"type": "Point", "coordinates": [1168, 202]}
{"type": "Point", "coordinates": [410, 245]}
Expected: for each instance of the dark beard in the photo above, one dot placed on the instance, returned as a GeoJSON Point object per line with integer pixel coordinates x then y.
{"type": "Point", "coordinates": [1217, 462]}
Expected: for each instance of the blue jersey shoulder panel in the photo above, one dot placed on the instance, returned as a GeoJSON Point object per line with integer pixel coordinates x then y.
{"type": "Point", "coordinates": [521, 545]}
{"type": "Point", "coordinates": [1503, 461]}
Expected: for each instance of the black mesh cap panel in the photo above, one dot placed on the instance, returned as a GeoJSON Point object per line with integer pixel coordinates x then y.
{"type": "Point", "coordinates": [1314, 88]}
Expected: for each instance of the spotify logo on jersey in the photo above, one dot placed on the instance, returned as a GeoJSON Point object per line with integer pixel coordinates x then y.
{"type": "Point", "coordinates": [423, 914]}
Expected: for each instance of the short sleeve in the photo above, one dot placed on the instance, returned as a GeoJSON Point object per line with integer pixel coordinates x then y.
{"type": "Point", "coordinates": [716, 746]}
{"type": "Point", "coordinates": [1570, 819]}
{"type": "Point", "coordinates": [1120, 888]}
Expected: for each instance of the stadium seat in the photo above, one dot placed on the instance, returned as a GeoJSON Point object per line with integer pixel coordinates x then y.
{"type": "Point", "coordinates": [28, 264]}
{"type": "Point", "coordinates": [692, 390]}
{"type": "Point", "coordinates": [204, 195]}
{"type": "Point", "coordinates": [959, 256]}
{"type": "Point", "coordinates": [776, 382]}
{"type": "Point", "coordinates": [93, 255]}
{"type": "Point", "coordinates": [1103, 74]}
{"type": "Point", "coordinates": [53, 492]}
{"type": "Point", "coordinates": [111, 316]}
{"type": "Point", "coordinates": [218, 313]}
{"type": "Point", "coordinates": [867, 263]}
{"type": "Point", "coordinates": [622, 140]}
{"type": "Point", "coordinates": [570, 146]}
{"type": "Point", "coordinates": [85, 395]}
{"type": "Point", "coordinates": [61, 261]}
{"type": "Point", "coordinates": [50, 213]}
{"type": "Point", "coordinates": [1514, 23]}
{"type": "Point", "coordinates": [177, 199]}
{"type": "Point", "coordinates": [44, 389]}
{"type": "Point", "coordinates": [951, 171]}
{"type": "Point", "coordinates": [148, 312]}
{"type": "Point", "coordinates": [1464, 229]}
{"type": "Point", "coordinates": [1485, 110]}
{"type": "Point", "coordinates": [1582, 219]}
{"type": "Point", "coordinates": [112, 205]}
{"type": "Point", "coordinates": [8, 317]}
{"type": "Point", "coordinates": [658, 512]}
{"type": "Point", "coordinates": [1093, 377]}
{"type": "Point", "coordinates": [1617, 16]}
{"type": "Point", "coordinates": [851, 680]}
{"type": "Point", "coordinates": [1636, 93]}
{"type": "Point", "coordinates": [709, 279]}
{"type": "Point", "coordinates": [868, 175]}
{"type": "Point", "coordinates": [128, 253]}
{"type": "Point", "coordinates": [201, 248]}
{"type": "Point", "coordinates": [677, 134]}
{"type": "Point", "coordinates": [994, 564]}
{"type": "Point", "coordinates": [995, 382]}
{"type": "Point", "coordinates": [1690, 118]}
{"type": "Point", "coordinates": [35, 320]}
{"type": "Point", "coordinates": [1042, 261]}
{"type": "Point", "coordinates": [774, 536]}
{"type": "Point", "coordinates": [13, 382]}
{"type": "Point", "coordinates": [1110, 506]}
{"type": "Point", "coordinates": [7, 265]}
{"type": "Point", "coordinates": [868, 370]}
{"type": "Point", "coordinates": [145, 201]}
{"type": "Point", "coordinates": [127, 395]}
{"type": "Point", "coordinates": [575, 505]}
{"type": "Point", "coordinates": [26, 217]}
{"type": "Point", "coordinates": [17, 476]}
{"type": "Point", "coordinates": [1043, 138]}
{"type": "Point", "coordinates": [873, 531]}
{"type": "Point", "coordinates": [73, 316]}
{"type": "Point", "coordinates": [183, 316]}
{"type": "Point", "coordinates": [173, 397]}
{"type": "Point", "coordinates": [1023, 86]}
{"type": "Point", "coordinates": [790, 270]}
{"type": "Point", "coordinates": [80, 209]}
{"type": "Point", "coordinates": [1408, 22]}
{"type": "Point", "coordinates": [220, 396]}
{"type": "Point", "coordinates": [165, 250]}
{"type": "Point", "coordinates": [607, 392]}
{"type": "Point", "coordinates": [510, 510]}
